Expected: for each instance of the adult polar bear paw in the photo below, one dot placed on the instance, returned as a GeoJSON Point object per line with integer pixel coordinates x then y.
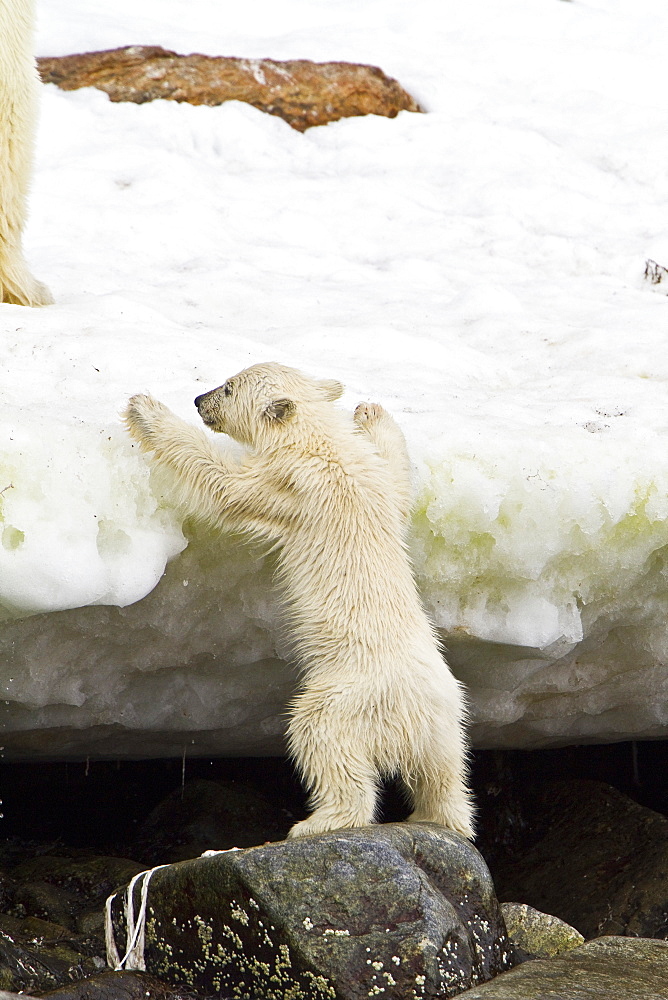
{"type": "Point", "coordinates": [17, 285]}
{"type": "Point", "coordinates": [332, 497]}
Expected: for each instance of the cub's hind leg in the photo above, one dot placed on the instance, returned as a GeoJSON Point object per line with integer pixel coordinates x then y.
{"type": "Point", "coordinates": [341, 778]}
{"type": "Point", "coordinates": [445, 801]}
{"type": "Point", "coordinates": [436, 780]}
{"type": "Point", "coordinates": [19, 95]}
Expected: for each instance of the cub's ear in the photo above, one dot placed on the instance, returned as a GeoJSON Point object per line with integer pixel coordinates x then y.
{"type": "Point", "coordinates": [330, 389]}
{"type": "Point", "coordinates": [280, 410]}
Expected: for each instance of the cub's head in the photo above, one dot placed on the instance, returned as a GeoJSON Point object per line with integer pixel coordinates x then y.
{"type": "Point", "coordinates": [262, 399]}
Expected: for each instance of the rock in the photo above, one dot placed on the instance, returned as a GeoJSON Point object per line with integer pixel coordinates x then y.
{"type": "Point", "coordinates": [118, 986]}
{"type": "Point", "coordinates": [91, 923]}
{"type": "Point", "coordinates": [399, 911]}
{"type": "Point", "coordinates": [7, 890]}
{"type": "Point", "coordinates": [34, 928]}
{"type": "Point", "coordinates": [601, 864]}
{"type": "Point", "coordinates": [47, 902]}
{"type": "Point", "coordinates": [301, 92]}
{"type": "Point", "coordinates": [610, 968]}
{"type": "Point", "coordinates": [38, 965]}
{"type": "Point", "coordinates": [10, 925]}
{"type": "Point", "coordinates": [60, 888]}
{"type": "Point", "coordinates": [49, 936]}
{"type": "Point", "coordinates": [538, 935]}
{"type": "Point", "coordinates": [53, 929]}
{"type": "Point", "coordinates": [208, 815]}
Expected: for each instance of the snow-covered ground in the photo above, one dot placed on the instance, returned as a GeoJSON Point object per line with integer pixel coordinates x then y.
{"type": "Point", "coordinates": [478, 269]}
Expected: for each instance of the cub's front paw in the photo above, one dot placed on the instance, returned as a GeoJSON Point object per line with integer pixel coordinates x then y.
{"type": "Point", "coordinates": [368, 413]}
{"type": "Point", "coordinates": [141, 417]}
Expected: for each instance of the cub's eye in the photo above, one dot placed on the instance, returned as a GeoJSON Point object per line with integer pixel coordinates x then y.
{"type": "Point", "coordinates": [227, 389]}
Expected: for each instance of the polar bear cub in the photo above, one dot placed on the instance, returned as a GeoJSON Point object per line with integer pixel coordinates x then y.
{"type": "Point", "coordinates": [18, 114]}
{"type": "Point", "coordinates": [332, 495]}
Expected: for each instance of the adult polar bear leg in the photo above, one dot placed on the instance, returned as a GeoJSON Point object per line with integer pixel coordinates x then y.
{"type": "Point", "coordinates": [18, 113]}
{"type": "Point", "coordinates": [390, 444]}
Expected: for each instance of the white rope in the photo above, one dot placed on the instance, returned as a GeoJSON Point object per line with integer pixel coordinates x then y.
{"type": "Point", "coordinates": [113, 958]}
{"type": "Point", "coordinates": [135, 930]}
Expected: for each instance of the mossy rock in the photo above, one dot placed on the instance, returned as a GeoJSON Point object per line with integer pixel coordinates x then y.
{"type": "Point", "coordinates": [538, 935]}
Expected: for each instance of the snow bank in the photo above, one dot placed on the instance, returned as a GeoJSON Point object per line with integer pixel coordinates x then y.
{"type": "Point", "coordinates": [477, 269]}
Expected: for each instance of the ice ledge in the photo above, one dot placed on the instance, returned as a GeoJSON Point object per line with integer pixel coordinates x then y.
{"type": "Point", "coordinates": [196, 667]}
{"type": "Point", "coordinates": [542, 557]}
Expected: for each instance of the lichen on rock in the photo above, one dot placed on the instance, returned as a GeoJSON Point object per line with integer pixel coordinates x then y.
{"type": "Point", "coordinates": [536, 934]}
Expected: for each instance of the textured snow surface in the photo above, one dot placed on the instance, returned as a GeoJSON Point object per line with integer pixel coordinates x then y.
{"type": "Point", "coordinates": [477, 269]}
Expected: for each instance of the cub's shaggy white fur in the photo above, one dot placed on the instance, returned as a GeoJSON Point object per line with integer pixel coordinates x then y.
{"type": "Point", "coordinates": [332, 495]}
{"type": "Point", "coordinates": [18, 112]}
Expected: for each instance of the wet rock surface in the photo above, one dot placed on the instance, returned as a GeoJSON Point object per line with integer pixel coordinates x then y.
{"type": "Point", "coordinates": [119, 986]}
{"type": "Point", "coordinates": [51, 930]}
{"type": "Point", "coordinates": [66, 888]}
{"type": "Point", "coordinates": [41, 962]}
{"type": "Point", "coordinates": [302, 92]}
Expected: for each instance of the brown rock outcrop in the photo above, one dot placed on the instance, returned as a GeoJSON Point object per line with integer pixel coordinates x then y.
{"type": "Point", "coordinates": [302, 92]}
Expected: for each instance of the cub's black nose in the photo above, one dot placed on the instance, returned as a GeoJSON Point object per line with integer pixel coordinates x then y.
{"type": "Point", "coordinates": [199, 400]}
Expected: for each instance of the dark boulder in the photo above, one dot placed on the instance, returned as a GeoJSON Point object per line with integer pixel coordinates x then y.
{"type": "Point", "coordinates": [208, 815]}
{"type": "Point", "coordinates": [601, 864]}
{"type": "Point", "coordinates": [118, 986]}
{"type": "Point", "coordinates": [397, 911]}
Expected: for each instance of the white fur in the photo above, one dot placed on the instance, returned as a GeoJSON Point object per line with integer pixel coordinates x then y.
{"type": "Point", "coordinates": [332, 495]}
{"type": "Point", "coordinates": [18, 113]}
